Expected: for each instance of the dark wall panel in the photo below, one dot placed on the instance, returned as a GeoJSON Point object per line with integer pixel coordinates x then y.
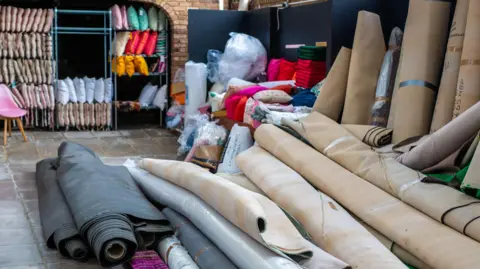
{"type": "Point", "coordinates": [258, 23]}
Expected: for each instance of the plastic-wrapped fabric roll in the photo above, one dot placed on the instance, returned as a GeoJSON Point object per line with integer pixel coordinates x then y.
{"type": "Point", "coordinates": [386, 80]}
{"type": "Point", "coordinates": [434, 243]}
{"type": "Point", "coordinates": [332, 96]}
{"type": "Point", "coordinates": [423, 47]}
{"type": "Point", "coordinates": [457, 210]}
{"type": "Point", "coordinates": [242, 249]}
{"type": "Point", "coordinates": [196, 87]}
{"type": "Point", "coordinates": [241, 180]}
{"type": "Point", "coordinates": [448, 84]}
{"type": "Point", "coordinates": [373, 136]}
{"type": "Point", "coordinates": [174, 254]}
{"type": "Point", "coordinates": [468, 87]}
{"type": "Point", "coordinates": [339, 234]}
{"type": "Point", "coordinates": [200, 248]}
{"type": "Point", "coordinates": [253, 213]}
{"type": "Point", "coordinates": [365, 64]}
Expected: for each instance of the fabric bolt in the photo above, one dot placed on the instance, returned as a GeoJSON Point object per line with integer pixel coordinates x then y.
{"type": "Point", "coordinates": [147, 260]}
{"type": "Point", "coordinates": [448, 84]}
{"type": "Point", "coordinates": [339, 234]}
{"type": "Point", "coordinates": [108, 208]}
{"type": "Point", "coordinates": [332, 95]}
{"type": "Point", "coordinates": [232, 100]}
{"type": "Point", "coordinates": [287, 69]}
{"type": "Point", "coordinates": [58, 225]}
{"type": "Point", "coordinates": [443, 142]}
{"type": "Point", "coordinates": [430, 241]}
{"type": "Point", "coordinates": [239, 247]}
{"type": "Point", "coordinates": [200, 248]}
{"type": "Point", "coordinates": [254, 214]}
{"type": "Point", "coordinates": [386, 80]}
{"type": "Point", "coordinates": [455, 209]}
{"type": "Point", "coordinates": [365, 64]}
{"type": "Point", "coordinates": [423, 49]}
{"type": "Point", "coordinates": [373, 136]}
{"type": "Point", "coordinates": [468, 85]}
{"type": "Point", "coordinates": [175, 255]}
{"type": "Point", "coordinates": [273, 69]}
{"type": "Point", "coordinates": [304, 98]}
{"type": "Point", "coordinates": [241, 180]}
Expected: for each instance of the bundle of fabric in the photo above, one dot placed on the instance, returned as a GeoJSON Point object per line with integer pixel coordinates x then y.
{"type": "Point", "coordinates": [26, 71]}
{"type": "Point", "coordinates": [84, 116]}
{"type": "Point", "coordinates": [15, 19]}
{"type": "Point", "coordinates": [161, 47]}
{"type": "Point", "coordinates": [147, 259]}
{"type": "Point", "coordinates": [304, 98]}
{"type": "Point", "coordinates": [236, 102]}
{"type": "Point", "coordinates": [39, 101]}
{"type": "Point", "coordinates": [311, 66]}
{"type": "Point", "coordinates": [432, 242]}
{"type": "Point", "coordinates": [25, 45]}
{"type": "Point", "coordinates": [244, 251]}
{"type": "Point", "coordinates": [174, 254]}
{"type": "Point", "coordinates": [109, 211]}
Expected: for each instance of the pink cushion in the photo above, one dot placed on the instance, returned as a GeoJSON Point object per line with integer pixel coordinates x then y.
{"type": "Point", "coordinates": [273, 69]}
{"type": "Point", "coordinates": [117, 17]}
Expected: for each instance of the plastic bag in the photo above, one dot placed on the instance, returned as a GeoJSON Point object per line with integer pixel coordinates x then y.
{"type": "Point", "coordinates": [147, 95]}
{"type": "Point", "coordinates": [239, 140]}
{"type": "Point", "coordinates": [192, 123]}
{"type": "Point", "coordinates": [174, 116]}
{"type": "Point", "coordinates": [213, 57]}
{"type": "Point", "coordinates": [244, 57]}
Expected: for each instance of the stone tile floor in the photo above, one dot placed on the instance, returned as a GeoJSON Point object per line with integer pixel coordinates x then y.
{"type": "Point", "coordinates": [22, 245]}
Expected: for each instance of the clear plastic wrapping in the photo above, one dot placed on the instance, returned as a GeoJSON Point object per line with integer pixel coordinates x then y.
{"type": "Point", "coordinates": [175, 255]}
{"type": "Point", "coordinates": [186, 139]}
{"type": "Point", "coordinates": [213, 57]}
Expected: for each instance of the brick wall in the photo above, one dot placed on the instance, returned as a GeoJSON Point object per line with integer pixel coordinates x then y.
{"type": "Point", "coordinates": [177, 13]}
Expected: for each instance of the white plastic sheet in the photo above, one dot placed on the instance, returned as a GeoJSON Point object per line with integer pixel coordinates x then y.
{"type": "Point", "coordinates": [175, 255]}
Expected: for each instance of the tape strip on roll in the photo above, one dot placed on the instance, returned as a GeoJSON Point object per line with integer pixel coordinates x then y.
{"type": "Point", "coordinates": [470, 62]}
{"type": "Point", "coordinates": [455, 49]}
{"type": "Point", "coordinates": [420, 83]}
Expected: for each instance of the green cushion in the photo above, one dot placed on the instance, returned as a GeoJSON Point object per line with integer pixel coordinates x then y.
{"type": "Point", "coordinates": [153, 18]}
{"type": "Point", "coordinates": [133, 18]}
{"type": "Point", "coordinates": [143, 19]}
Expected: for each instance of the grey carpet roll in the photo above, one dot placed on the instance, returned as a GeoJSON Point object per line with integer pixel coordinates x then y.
{"type": "Point", "coordinates": [58, 225]}
{"type": "Point", "coordinates": [202, 250]}
{"type": "Point", "coordinates": [243, 250]}
{"type": "Point", "coordinates": [110, 211]}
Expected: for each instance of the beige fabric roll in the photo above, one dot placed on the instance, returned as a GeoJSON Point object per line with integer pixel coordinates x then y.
{"type": "Point", "coordinates": [448, 85]}
{"type": "Point", "coordinates": [331, 229]}
{"type": "Point", "coordinates": [332, 96]}
{"type": "Point", "coordinates": [435, 244]}
{"type": "Point", "coordinates": [423, 47]}
{"type": "Point", "coordinates": [373, 136]}
{"type": "Point", "coordinates": [365, 64]}
{"type": "Point", "coordinates": [255, 214]}
{"type": "Point", "coordinates": [454, 209]}
{"type": "Point", "coordinates": [472, 178]}
{"type": "Point", "coordinates": [242, 181]}
{"type": "Point", "coordinates": [468, 87]}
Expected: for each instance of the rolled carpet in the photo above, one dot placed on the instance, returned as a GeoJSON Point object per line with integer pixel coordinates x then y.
{"type": "Point", "coordinates": [200, 248]}
{"type": "Point", "coordinates": [174, 254]}
{"type": "Point", "coordinates": [365, 64]}
{"type": "Point", "coordinates": [468, 87]}
{"type": "Point", "coordinates": [241, 180]}
{"type": "Point", "coordinates": [443, 142]}
{"type": "Point", "coordinates": [109, 209]}
{"type": "Point", "coordinates": [253, 213]}
{"type": "Point", "coordinates": [58, 225]}
{"type": "Point", "coordinates": [455, 209]}
{"type": "Point", "coordinates": [332, 230]}
{"type": "Point", "coordinates": [242, 249]}
{"type": "Point", "coordinates": [472, 180]}
{"type": "Point", "coordinates": [448, 84]}
{"type": "Point", "coordinates": [371, 135]}
{"type": "Point", "coordinates": [332, 96]}
{"type": "Point", "coordinates": [423, 50]}
{"type": "Point", "coordinates": [434, 243]}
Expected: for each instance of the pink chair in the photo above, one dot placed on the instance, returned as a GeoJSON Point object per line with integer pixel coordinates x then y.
{"type": "Point", "coordinates": [10, 111]}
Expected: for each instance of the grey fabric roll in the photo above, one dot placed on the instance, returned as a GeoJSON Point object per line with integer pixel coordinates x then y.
{"type": "Point", "coordinates": [110, 211]}
{"type": "Point", "coordinates": [58, 226]}
{"type": "Point", "coordinates": [202, 250]}
{"type": "Point", "coordinates": [242, 250]}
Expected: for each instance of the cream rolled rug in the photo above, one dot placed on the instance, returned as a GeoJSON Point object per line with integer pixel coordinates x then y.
{"type": "Point", "coordinates": [332, 96]}
{"type": "Point", "coordinates": [331, 229]}
{"type": "Point", "coordinates": [423, 49]}
{"type": "Point", "coordinates": [455, 209]}
{"type": "Point", "coordinates": [437, 245]}
{"type": "Point", "coordinates": [365, 64]}
{"type": "Point", "coordinates": [241, 180]}
{"type": "Point", "coordinates": [254, 214]}
{"type": "Point", "coordinates": [448, 84]}
{"type": "Point", "coordinates": [468, 87]}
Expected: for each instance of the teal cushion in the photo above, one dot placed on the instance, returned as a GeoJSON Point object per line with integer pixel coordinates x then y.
{"type": "Point", "coordinates": [133, 18]}
{"type": "Point", "coordinates": [153, 18]}
{"type": "Point", "coordinates": [143, 19]}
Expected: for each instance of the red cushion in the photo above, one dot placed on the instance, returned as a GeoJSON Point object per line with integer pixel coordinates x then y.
{"type": "Point", "coordinates": [143, 41]}
{"type": "Point", "coordinates": [240, 109]}
{"type": "Point", "coordinates": [132, 42]}
{"type": "Point", "coordinates": [151, 44]}
{"type": "Point", "coordinates": [287, 69]}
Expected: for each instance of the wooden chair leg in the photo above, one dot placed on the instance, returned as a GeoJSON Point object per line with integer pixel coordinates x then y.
{"type": "Point", "coordinates": [5, 127]}
{"type": "Point", "coordinates": [9, 127]}
{"type": "Point", "coordinates": [20, 126]}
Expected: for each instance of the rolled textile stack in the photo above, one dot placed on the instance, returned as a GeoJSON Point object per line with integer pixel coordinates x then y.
{"type": "Point", "coordinates": [423, 47]}
{"type": "Point", "coordinates": [448, 85]}
{"type": "Point", "coordinates": [242, 249]}
{"type": "Point", "coordinates": [468, 87]}
{"type": "Point", "coordinates": [386, 80]}
{"type": "Point", "coordinates": [332, 96]}
{"type": "Point", "coordinates": [455, 209]}
{"type": "Point", "coordinates": [161, 47]}
{"type": "Point", "coordinates": [365, 64]}
{"type": "Point", "coordinates": [311, 66]}
{"type": "Point", "coordinates": [339, 234]}
{"type": "Point", "coordinates": [432, 242]}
